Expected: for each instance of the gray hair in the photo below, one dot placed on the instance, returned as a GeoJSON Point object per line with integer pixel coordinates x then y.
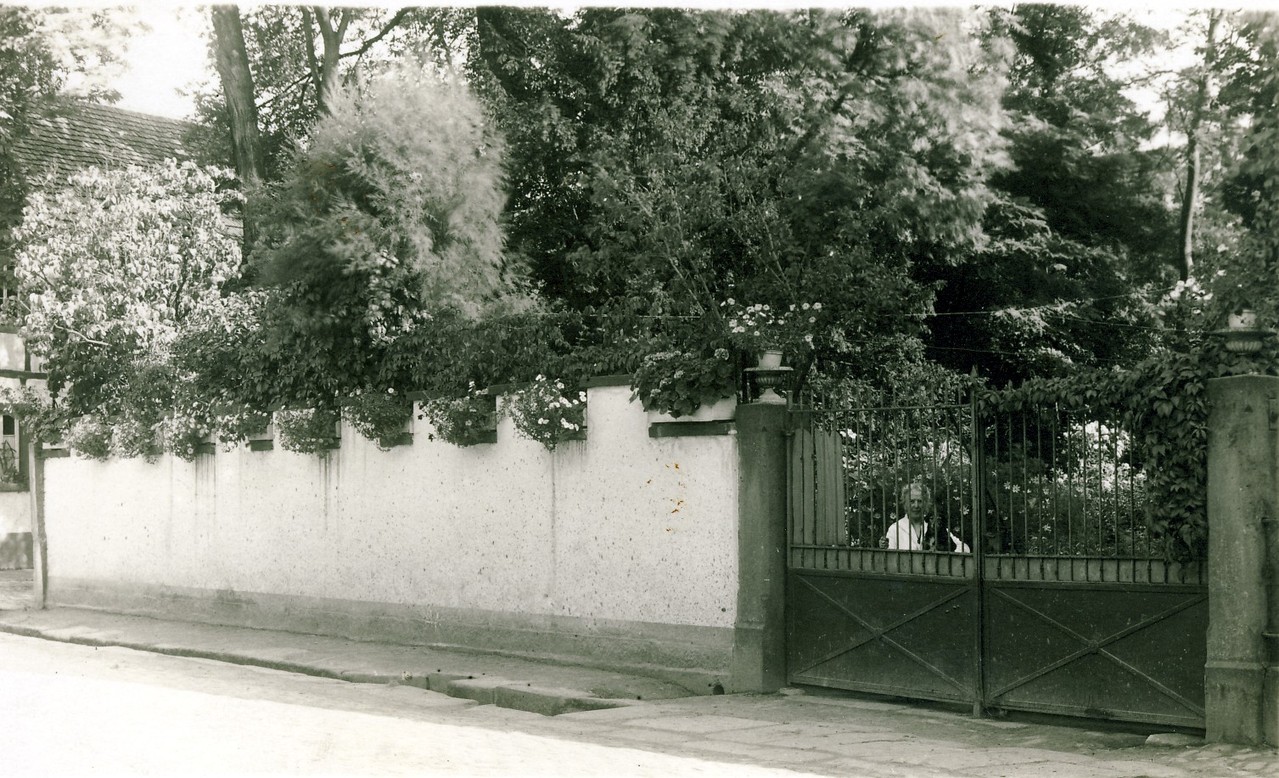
{"type": "Point", "coordinates": [924, 492]}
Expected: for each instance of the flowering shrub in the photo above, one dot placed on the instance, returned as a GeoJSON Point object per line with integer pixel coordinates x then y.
{"type": "Point", "coordinates": [89, 437]}
{"type": "Point", "coordinates": [110, 268]}
{"type": "Point", "coordinates": [117, 259]}
{"type": "Point", "coordinates": [760, 327]}
{"type": "Point", "coordinates": [679, 382]}
{"type": "Point", "coordinates": [307, 431]}
{"type": "Point", "coordinates": [542, 412]}
{"type": "Point", "coordinates": [462, 421]}
{"type": "Point", "coordinates": [379, 416]}
{"type": "Point", "coordinates": [181, 435]}
{"type": "Point", "coordinates": [237, 423]}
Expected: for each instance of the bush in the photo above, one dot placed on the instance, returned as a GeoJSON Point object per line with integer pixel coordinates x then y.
{"type": "Point", "coordinates": [307, 431]}
{"type": "Point", "coordinates": [392, 209]}
{"type": "Point", "coordinates": [542, 411]}
{"type": "Point", "coordinates": [89, 437]}
{"type": "Point", "coordinates": [680, 382]}
{"type": "Point", "coordinates": [181, 435]}
{"type": "Point", "coordinates": [378, 416]}
{"type": "Point", "coordinates": [462, 421]}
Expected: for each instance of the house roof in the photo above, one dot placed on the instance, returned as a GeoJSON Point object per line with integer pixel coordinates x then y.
{"type": "Point", "coordinates": [74, 136]}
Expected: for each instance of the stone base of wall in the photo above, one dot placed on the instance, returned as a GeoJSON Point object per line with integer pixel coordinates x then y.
{"type": "Point", "coordinates": [696, 658]}
{"type": "Point", "coordinates": [15, 551]}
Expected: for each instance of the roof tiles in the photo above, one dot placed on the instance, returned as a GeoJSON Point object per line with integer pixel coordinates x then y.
{"type": "Point", "coordinates": [78, 135]}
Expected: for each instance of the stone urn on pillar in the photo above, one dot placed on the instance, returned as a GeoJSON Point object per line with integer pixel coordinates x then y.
{"type": "Point", "coordinates": [770, 359]}
{"type": "Point", "coordinates": [768, 376]}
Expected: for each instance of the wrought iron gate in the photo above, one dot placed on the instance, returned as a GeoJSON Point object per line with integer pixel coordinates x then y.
{"type": "Point", "coordinates": [1054, 601]}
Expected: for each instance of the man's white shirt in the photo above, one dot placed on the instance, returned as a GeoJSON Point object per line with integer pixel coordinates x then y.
{"type": "Point", "coordinates": [902, 536]}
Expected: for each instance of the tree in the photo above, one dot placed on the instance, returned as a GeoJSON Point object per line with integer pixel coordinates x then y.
{"type": "Point", "coordinates": [390, 214]}
{"type": "Point", "coordinates": [294, 55]}
{"type": "Point", "coordinates": [1249, 276]}
{"type": "Point", "coordinates": [237, 87]}
{"type": "Point", "coordinates": [1203, 87]}
{"type": "Point", "coordinates": [663, 161]}
{"type": "Point", "coordinates": [109, 269]}
{"type": "Point", "coordinates": [1080, 236]}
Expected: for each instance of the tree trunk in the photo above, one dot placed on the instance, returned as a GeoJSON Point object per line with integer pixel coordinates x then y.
{"type": "Point", "coordinates": [237, 88]}
{"type": "Point", "coordinates": [331, 36]}
{"type": "Point", "coordinates": [1187, 254]}
{"type": "Point", "coordinates": [1198, 111]}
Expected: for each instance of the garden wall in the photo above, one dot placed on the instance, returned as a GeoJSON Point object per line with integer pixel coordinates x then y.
{"type": "Point", "coordinates": [620, 550]}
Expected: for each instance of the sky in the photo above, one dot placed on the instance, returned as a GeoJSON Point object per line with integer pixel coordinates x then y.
{"type": "Point", "coordinates": [170, 57]}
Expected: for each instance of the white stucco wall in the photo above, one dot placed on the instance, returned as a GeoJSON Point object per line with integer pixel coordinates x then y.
{"type": "Point", "coordinates": [620, 526]}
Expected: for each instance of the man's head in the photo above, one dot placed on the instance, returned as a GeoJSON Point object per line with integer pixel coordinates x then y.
{"type": "Point", "coordinates": [917, 499]}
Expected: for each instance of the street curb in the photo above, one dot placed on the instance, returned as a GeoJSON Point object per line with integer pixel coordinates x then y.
{"type": "Point", "coordinates": [485, 690]}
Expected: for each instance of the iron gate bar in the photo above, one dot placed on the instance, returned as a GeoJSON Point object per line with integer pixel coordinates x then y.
{"type": "Point", "coordinates": [882, 635]}
{"type": "Point", "coordinates": [1096, 647]}
{"type": "Point", "coordinates": [977, 461]}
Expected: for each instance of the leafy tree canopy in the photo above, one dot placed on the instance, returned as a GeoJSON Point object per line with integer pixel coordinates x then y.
{"type": "Point", "coordinates": [110, 269]}
{"type": "Point", "coordinates": [676, 159]}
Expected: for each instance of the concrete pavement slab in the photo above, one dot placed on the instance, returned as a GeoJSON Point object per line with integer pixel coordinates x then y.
{"type": "Point", "coordinates": [872, 769]}
{"type": "Point", "coordinates": [845, 743]}
{"type": "Point", "coordinates": [698, 724]}
{"type": "Point", "coordinates": [763, 754]}
{"type": "Point", "coordinates": [676, 740]}
{"type": "Point", "coordinates": [782, 734]}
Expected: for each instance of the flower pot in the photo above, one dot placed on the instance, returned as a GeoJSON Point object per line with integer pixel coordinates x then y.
{"type": "Point", "coordinates": [1245, 319]}
{"type": "Point", "coordinates": [770, 359]}
{"type": "Point", "coordinates": [722, 409]}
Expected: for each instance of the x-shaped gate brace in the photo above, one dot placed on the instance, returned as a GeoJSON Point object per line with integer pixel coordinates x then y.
{"type": "Point", "coordinates": [1098, 647]}
{"type": "Point", "coordinates": [881, 634]}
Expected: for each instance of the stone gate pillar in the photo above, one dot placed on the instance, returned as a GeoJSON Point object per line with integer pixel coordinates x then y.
{"type": "Point", "coordinates": [1242, 673]}
{"type": "Point", "coordinates": [759, 644]}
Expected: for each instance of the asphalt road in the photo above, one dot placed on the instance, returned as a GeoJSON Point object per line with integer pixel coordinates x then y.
{"type": "Point", "coordinates": [77, 710]}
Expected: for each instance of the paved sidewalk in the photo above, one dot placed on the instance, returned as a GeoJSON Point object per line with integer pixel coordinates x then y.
{"type": "Point", "coordinates": [539, 687]}
{"type": "Point", "coordinates": [807, 731]}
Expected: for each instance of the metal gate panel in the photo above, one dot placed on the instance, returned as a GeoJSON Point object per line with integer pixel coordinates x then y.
{"type": "Point", "coordinates": [909, 636]}
{"type": "Point", "coordinates": [1102, 650]}
{"type": "Point", "coordinates": [1062, 607]}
